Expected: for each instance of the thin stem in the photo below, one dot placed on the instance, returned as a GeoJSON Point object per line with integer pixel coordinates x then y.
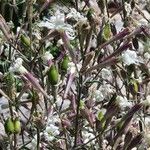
{"type": "Point", "coordinates": [78, 106]}
{"type": "Point", "coordinates": [38, 138]}
{"type": "Point", "coordinates": [15, 142]}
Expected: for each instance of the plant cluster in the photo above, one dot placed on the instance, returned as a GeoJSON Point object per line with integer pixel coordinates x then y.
{"type": "Point", "coordinates": [74, 74]}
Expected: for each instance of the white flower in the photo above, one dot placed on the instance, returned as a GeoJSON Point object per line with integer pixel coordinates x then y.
{"type": "Point", "coordinates": [147, 101]}
{"type": "Point", "coordinates": [60, 42]}
{"type": "Point", "coordinates": [106, 74]}
{"type": "Point", "coordinates": [147, 56]}
{"type": "Point", "coordinates": [142, 21]}
{"type": "Point", "coordinates": [147, 137]}
{"type": "Point", "coordinates": [48, 44]}
{"type": "Point", "coordinates": [53, 119]}
{"type": "Point", "coordinates": [147, 121]}
{"type": "Point", "coordinates": [130, 57]}
{"type": "Point", "coordinates": [52, 129]}
{"type": "Point", "coordinates": [98, 96]}
{"type": "Point", "coordinates": [64, 104]}
{"type": "Point", "coordinates": [50, 132]}
{"type": "Point", "coordinates": [76, 15]}
{"type": "Point", "coordinates": [48, 137]}
{"type": "Point", "coordinates": [128, 8]}
{"type": "Point", "coordinates": [94, 5]}
{"type": "Point", "coordinates": [118, 22]}
{"type": "Point", "coordinates": [17, 67]}
{"type": "Point", "coordinates": [72, 68]}
{"type": "Point", "coordinates": [57, 22]}
{"type": "Point", "coordinates": [106, 89]}
{"type": "Point", "coordinates": [123, 102]}
{"type": "Point", "coordinates": [88, 136]}
{"type": "Point", "coordinates": [47, 56]}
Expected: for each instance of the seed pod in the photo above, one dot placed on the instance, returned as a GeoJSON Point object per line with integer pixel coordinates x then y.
{"type": "Point", "coordinates": [64, 63]}
{"type": "Point", "coordinates": [53, 75]}
{"type": "Point", "coordinates": [9, 79]}
{"type": "Point", "coordinates": [106, 31]}
{"type": "Point", "coordinates": [25, 40]}
{"type": "Point", "coordinates": [9, 126]}
{"type": "Point", "coordinates": [17, 126]}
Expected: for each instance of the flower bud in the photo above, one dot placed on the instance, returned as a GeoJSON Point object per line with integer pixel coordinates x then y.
{"type": "Point", "coordinates": [133, 86]}
{"type": "Point", "coordinates": [107, 32]}
{"type": "Point", "coordinates": [17, 126]}
{"type": "Point", "coordinates": [9, 126]}
{"type": "Point", "coordinates": [9, 79]}
{"type": "Point", "coordinates": [100, 116]}
{"type": "Point", "coordinates": [25, 40]}
{"type": "Point", "coordinates": [53, 75]}
{"type": "Point", "coordinates": [64, 63]}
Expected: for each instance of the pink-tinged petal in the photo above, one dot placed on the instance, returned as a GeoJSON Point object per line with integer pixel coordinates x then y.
{"type": "Point", "coordinates": [88, 115]}
{"type": "Point", "coordinates": [35, 83]}
{"type": "Point", "coordinates": [73, 103]}
{"type": "Point", "coordinates": [69, 82]}
{"type": "Point", "coordinates": [66, 123]}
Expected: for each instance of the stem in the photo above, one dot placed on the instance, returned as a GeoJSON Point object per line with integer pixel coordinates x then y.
{"type": "Point", "coordinates": [10, 141]}
{"type": "Point", "coordinates": [42, 79]}
{"type": "Point", "coordinates": [54, 92]}
{"type": "Point", "coordinates": [76, 4]}
{"type": "Point", "coordinates": [78, 106]}
{"type": "Point", "coordinates": [38, 139]}
{"type": "Point", "coordinates": [15, 142]}
{"type": "Point", "coordinates": [109, 62]}
{"type": "Point", "coordinates": [30, 16]}
{"type": "Point", "coordinates": [70, 79]}
{"type": "Point", "coordinates": [67, 46]}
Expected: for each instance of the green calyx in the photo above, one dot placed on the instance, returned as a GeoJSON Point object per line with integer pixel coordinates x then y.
{"type": "Point", "coordinates": [53, 75]}
{"type": "Point", "coordinates": [9, 126]}
{"type": "Point", "coordinates": [64, 63]}
{"type": "Point", "coordinates": [12, 126]}
{"type": "Point", "coordinates": [17, 126]}
{"type": "Point", "coordinates": [25, 40]}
